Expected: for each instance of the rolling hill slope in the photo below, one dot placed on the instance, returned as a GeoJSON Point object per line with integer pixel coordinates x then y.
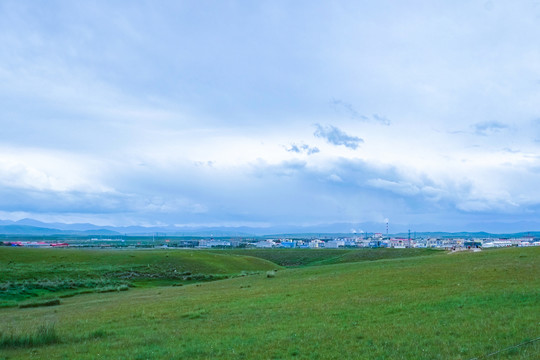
{"type": "Point", "coordinates": [44, 273]}
{"type": "Point", "coordinates": [457, 306]}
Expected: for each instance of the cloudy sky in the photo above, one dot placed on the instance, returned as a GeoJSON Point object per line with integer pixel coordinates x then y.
{"type": "Point", "coordinates": [264, 113]}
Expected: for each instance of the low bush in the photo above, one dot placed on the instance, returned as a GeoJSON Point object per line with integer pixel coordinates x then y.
{"type": "Point", "coordinates": [106, 289]}
{"type": "Point", "coordinates": [44, 334]}
{"type": "Point", "coordinates": [52, 302]}
{"type": "Point", "coordinates": [98, 334]}
{"type": "Point", "coordinates": [195, 314]}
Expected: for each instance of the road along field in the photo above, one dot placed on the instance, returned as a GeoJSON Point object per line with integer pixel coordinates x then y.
{"type": "Point", "coordinates": [451, 306]}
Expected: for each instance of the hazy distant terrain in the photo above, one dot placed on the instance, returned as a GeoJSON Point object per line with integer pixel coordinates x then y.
{"type": "Point", "coordinates": [34, 227]}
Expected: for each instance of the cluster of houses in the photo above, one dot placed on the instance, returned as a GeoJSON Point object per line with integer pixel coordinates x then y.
{"type": "Point", "coordinates": [34, 244]}
{"type": "Point", "coordinates": [376, 241]}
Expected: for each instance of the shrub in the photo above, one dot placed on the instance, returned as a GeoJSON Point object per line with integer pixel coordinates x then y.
{"type": "Point", "coordinates": [52, 302]}
{"type": "Point", "coordinates": [45, 334]}
{"type": "Point", "coordinates": [195, 314]}
{"type": "Point", "coordinates": [98, 334]}
{"type": "Point", "coordinates": [106, 289]}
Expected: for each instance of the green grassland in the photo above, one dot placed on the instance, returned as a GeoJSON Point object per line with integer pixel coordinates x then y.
{"type": "Point", "coordinates": [36, 274]}
{"type": "Point", "coordinates": [452, 306]}
{"type": "Point", "coordinates": [309, 257]}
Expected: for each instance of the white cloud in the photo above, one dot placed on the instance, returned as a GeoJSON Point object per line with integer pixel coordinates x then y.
{"type": "Point", "coordinates": [400, 188]}
{"type": "Point", "coordinates": [36, 169]}
{"type": "Point", "coordinates": [335, 178]}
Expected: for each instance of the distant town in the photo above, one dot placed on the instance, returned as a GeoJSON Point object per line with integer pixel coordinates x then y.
{"type": "Point", "coordinates": [376, 240]}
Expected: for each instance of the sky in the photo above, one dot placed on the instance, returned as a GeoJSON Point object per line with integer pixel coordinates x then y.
{"type": "Point", "coordinates": [265, 113]}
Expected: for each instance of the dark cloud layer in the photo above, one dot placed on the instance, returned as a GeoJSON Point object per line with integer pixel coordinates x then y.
{"type": "Point", "coordinates": [350, 111]}
{"type": "Point", "coordinates": [303, 149]}
{"type": "Point", "coordinates": [347, 109]}
{"type": "Point", "coordinates": [335, 136]}
{"type": "Point", "coordinates": [489, 127]}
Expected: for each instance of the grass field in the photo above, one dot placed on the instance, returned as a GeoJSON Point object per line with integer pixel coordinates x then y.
{"type": "Point", "coordinates": [34, 274]}
{"type": "Point", "coordinates": [309, 257]}
{"type": "Point", "coordinates": [455, 306]}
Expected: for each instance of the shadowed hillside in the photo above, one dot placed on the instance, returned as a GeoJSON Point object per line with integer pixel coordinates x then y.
{"type": "Point", "coordinates": [307, 257]}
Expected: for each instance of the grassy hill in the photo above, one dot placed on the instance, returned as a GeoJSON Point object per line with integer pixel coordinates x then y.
{"type": "Point", "coordinates": [455, 306]}
{"type": "Point", "coordinates": [44, 273]}
{"type": "Point", "coordinates": [310, 257]}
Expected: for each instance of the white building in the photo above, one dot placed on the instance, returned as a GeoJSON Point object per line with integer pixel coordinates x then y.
{"type": "Point", "coordinates": [265, 244]}
{"type": "Point", "coordinates": [213, 243]}
{"type": "Point", "coordinates": [314, 244]}
{"type": "Point", "coordinates": [334, 244]}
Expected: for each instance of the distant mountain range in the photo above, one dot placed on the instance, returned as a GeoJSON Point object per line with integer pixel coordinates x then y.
{"type": "Point", "coordinates": [38, 231]}
{"type": "Point", "coordinates": [38, 228]}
